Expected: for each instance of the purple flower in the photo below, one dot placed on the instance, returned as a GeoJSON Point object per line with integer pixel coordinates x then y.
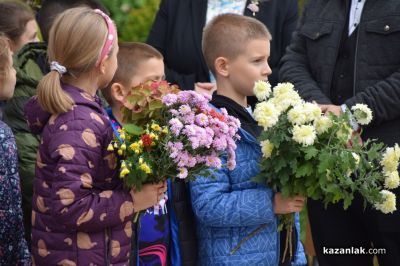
{"type": "Point", "coordinates": [185, 109]}
{"type": "Point", "coordinates": [201, 120]}
{"type": "Point", "coordinates": [182, 173]}
{"type": "Point", "coordinates": [175, 126]}
{"type": "Point", "coordinates": [213, 161]}
{"type": "Point", "coordinates": [169, 99]}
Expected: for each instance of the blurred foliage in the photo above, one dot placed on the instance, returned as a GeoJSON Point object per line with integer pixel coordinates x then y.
{"type": "Point", "coordinates": [134, 18]}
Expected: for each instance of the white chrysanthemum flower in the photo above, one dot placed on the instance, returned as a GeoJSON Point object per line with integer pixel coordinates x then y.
{"type": "Point", "coordinates": [356, 158]}
{"type": "Point", "coordinates": [389, 202]}
{"type": "Point", "coordinates": [392, 180]}
{"type": "Point", "coordinates": [304, 134]}
{"type": "Point", "coordinates": [262, 90]}
{"type": "Point", "coordinates": [322, 124]}
{"type": "Point", "coordinates": [397, 150]}
{"type": "Point", "coordinates": [284, 100]}
{"type": "Point", "coordinates": [312, 110]}
{"type": "Point", "coordinates": [362, 114]}
{"type": "Point", "coordinates": [266, 147]}
{"type": "Point", "coordinates": [390, 159]}
{"type": "Point", "coordinates": [283, 88]}
{"type": "Point", "coordinates": [297, 115]}
{"type": "Point", "coordinates": [266, 114]}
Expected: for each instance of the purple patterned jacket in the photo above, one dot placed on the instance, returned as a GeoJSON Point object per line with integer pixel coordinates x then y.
{"type": "Point", "coordinates": [81, 213]}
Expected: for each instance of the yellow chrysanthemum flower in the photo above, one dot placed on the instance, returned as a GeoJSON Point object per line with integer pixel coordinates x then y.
{"type": "Point", "coordinates": [266, 114]}
{"type": "Point", "coordinates": [392, 180]}
{"type": "Point", "coordinates": [262, 90]}
{"type": "Point", "coordinates": [389, 202]}
{"type": "Point", "coordinates": [322, 124]}
{"type": "Point", "coordinates": [266, 147]}
{"type": "Point", "coordinates": [304, 134]}
{"type": "Point", "coordinates": [390, 160]}
{"type": "Point", "coordinates": [110, 147]}
{"type": "Point", "coordinates": [153, 136]}
{"type": "Point", "coordinates": [124, 172]}
{"type": "Point", "coordinates": [155, 127]}
{"type": "Point", "coordinates": [135, 147]}
{"type": "Point", "coordinates": [145, 168]}
{"type": "Point", "coordinates": [123, 146]}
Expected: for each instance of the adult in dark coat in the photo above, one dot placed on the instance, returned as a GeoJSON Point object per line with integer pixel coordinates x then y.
{"type": "Point", "coordinates": [344, 53]}
{"type": "Point", "coordinates": [178, 28]}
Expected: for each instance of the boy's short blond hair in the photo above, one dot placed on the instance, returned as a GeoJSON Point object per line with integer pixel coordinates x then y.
{"type": "Point", "coordinates": [227, 35]}
{"type": "Point", "coordinates": [130, 56]}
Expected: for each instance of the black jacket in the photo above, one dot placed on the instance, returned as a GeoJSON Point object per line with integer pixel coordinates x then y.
{"type": "Point", "coordinates": [311, 58]}
{"type": "Point", "coordinates": [177, 33]}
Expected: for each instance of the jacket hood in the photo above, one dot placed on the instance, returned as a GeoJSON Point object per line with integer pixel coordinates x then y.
{"type": "Point", "coordinates": [37, 118]}
{"type": "Point", "coordinates": [31, 63]}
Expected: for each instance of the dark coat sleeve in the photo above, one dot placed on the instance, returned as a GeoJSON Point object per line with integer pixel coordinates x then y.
{"type": "Point", "coordinates": [383, 98]}
{"type": "Point", "coordinates": [295, 68]}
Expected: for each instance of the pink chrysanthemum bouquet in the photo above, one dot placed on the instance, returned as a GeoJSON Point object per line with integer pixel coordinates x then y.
{"type": "Point", "coordinates": [172, 133]}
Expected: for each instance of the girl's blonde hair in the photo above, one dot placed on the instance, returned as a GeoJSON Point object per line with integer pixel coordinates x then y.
{"type": "Point", "coordinates": [4, 58]}
{"type": "Point", "coordinates": [75, 41]}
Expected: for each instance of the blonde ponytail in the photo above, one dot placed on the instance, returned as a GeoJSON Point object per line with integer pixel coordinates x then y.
{"type": "Point", "coordinates": [51, 96]}
{"type": "Point", "coordinates": [76, 39]}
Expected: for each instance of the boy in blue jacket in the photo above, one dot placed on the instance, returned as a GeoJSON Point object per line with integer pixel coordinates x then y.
{"type": "Point", "coordinates": [237, 218]}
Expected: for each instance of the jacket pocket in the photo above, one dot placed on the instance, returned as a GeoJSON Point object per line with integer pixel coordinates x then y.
{"type": "Point", "coordinates": [384, 26]}
{"type": "Point", "coordinates": [381, 35]}
{"type": "Point", "coordinates": [316, 30]}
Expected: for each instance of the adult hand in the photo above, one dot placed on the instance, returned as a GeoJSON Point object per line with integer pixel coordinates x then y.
{"type": "Point", "coordinates": [330, 108]}
{"type": "Point", "coordinates": [148, 196]}
{"type": "Point", "coordinates": [205, 87]}
{"type": "Point", "coordinates": [288, 205]}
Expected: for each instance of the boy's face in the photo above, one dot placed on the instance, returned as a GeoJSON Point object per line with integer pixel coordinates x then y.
{"type": "Point", "coordinates": [249, 66]}
{"type": "Point", "coordinates": [149, 70]}
{"type": "Point", "coordinates": [152, 69]}
{"type": "Point", "coordinates": [7, 85]}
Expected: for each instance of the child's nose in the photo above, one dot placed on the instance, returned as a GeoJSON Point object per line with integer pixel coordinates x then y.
{"type": "Point", "coordinates": [267, 70]}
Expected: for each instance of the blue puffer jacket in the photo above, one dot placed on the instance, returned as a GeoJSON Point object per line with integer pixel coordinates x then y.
{"type": "Point", "coordinates": [230, 207]}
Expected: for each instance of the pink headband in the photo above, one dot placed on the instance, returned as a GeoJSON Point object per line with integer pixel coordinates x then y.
{"type": "Point", "coordinates": [112, 33]}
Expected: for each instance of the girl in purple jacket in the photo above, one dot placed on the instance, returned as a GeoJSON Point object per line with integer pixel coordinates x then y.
{"type": "Point", "coordinates": [81, 212]}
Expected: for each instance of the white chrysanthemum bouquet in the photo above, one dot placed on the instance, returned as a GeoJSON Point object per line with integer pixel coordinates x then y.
{"type": "Point", "coordinates": [308, 153]}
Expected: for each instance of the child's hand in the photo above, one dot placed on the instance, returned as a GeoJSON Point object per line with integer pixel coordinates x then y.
{"type": "Point", "coordinates": [148, 196]}
{"type": "Point", "coordinates": [287, 205]}
{"type": "Point", "coordinates": [205, 87]}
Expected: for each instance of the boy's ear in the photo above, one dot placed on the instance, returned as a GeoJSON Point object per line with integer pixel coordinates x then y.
{"type": "Point", "coordinates": [118, 92]}
{"type": "Point", "coordinates": [221, 66]}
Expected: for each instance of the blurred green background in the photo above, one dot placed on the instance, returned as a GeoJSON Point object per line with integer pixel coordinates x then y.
{"type": "Point", "coordinates": [133, 17]}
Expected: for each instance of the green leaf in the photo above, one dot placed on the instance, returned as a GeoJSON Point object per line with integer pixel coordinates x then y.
{"type": "Point", "coordinates": [310, 152]}
{"type": "Point", "coordinates": [305, 169]}
{"type": "Point", "coordinates": [133, 129]}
